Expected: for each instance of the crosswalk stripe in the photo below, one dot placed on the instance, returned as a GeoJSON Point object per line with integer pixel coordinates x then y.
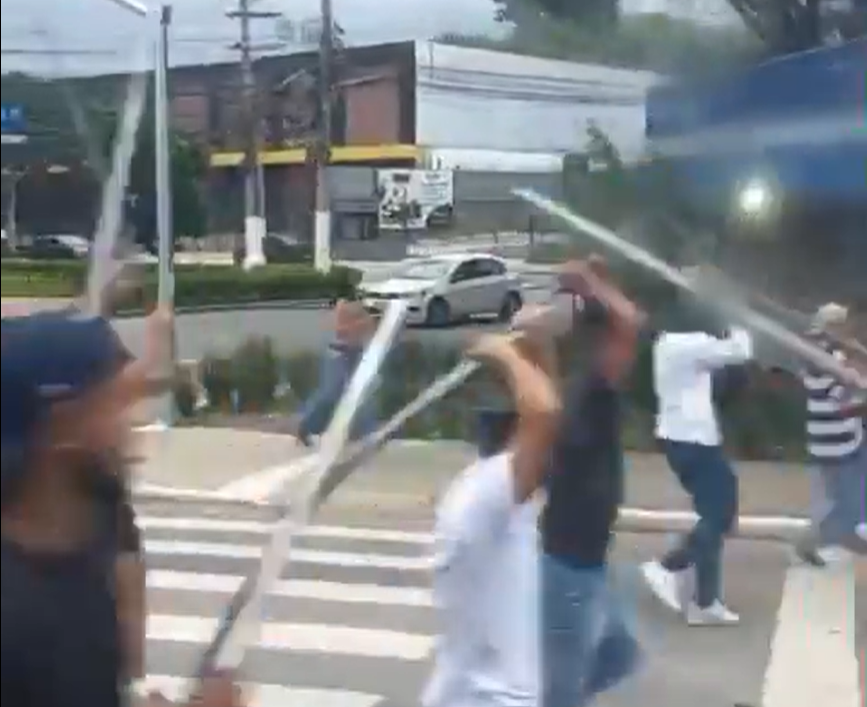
{"type": "Point", "coordinates": [295, 588]}
{"type": "Point", "coordinates": [261, 695]}
{"type": "Point", "coordinates": [217, 525]}
{"type": "Point", "coordinates": [318, 638]}
{"type": "Point", "coordinates": [320, 557]}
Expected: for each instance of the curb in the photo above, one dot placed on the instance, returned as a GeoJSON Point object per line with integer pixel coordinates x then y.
{"type": "Point", "coordinates": [239, 306]}
{"type": "Point", "coordinates": [632, 520]}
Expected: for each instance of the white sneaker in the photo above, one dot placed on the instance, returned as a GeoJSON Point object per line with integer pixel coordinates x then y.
{"type": "Point", "coordinates": [717, 614]}
{"type": "Point", "coordinates": [667, 586]}
{"type": "Point", "coordinates": [834, 555]}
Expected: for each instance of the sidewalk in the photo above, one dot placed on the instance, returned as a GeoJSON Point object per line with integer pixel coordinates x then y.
{"type": "Point", "coordinates": [211, 458]}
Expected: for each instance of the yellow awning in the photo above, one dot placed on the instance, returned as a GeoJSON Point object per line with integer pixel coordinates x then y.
{"type": "Point", "coordinates": [341, 153]}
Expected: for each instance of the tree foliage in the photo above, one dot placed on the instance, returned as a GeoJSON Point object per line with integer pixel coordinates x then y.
{"type": "Point", "coordinates": [599, 13]}
{"type": "Point", "coordinates": [54, 138]}
{"type": "Point", "coordinates": [654, 42]}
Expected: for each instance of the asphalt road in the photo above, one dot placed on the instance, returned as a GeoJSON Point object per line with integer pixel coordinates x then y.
{"type": "Point", "coordinates": [292, 330]}
{"type": "Point", "coordinates": [353, 625]}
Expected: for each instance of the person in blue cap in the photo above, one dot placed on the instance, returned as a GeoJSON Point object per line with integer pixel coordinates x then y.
{"type": "Point", "coordinates": [66, 397]}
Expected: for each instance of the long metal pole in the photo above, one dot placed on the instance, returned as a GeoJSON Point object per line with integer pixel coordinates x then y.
{"type": "Point", "coordinates": [254, 219]}
{"type": "Point", "coordinates": [162, 153]}
{"type": "Point", "coordinates": [322, 221]}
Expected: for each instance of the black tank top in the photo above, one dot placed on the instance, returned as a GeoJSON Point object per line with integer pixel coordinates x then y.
{"type": "Point", "coordinates": [585, 482]}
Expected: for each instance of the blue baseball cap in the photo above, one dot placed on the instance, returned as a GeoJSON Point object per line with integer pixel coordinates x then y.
{"type": "Point", "coordinates": [46, 358]}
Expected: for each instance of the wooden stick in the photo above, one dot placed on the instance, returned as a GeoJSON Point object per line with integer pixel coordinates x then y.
{"type": "Point", "coordinates": [242, 619]}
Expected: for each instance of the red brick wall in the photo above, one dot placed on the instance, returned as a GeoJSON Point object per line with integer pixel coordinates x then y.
{"type": "Point", "coordinates": [373, 111]}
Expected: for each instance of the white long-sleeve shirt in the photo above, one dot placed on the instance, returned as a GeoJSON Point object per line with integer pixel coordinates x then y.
{"type": "Point", "coordinates": [683, 364]}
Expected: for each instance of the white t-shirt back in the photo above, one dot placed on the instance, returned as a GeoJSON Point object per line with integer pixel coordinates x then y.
{"type": "Point", "coordinates": [486, 588]}
{"type": "Point", "coordinates": [683, 364]}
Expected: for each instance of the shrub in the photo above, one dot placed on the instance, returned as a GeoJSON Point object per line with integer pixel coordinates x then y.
{"type": "Point", "coordinates": [195, 285]}
{"type": "Point", "coordinates": [764, 424]}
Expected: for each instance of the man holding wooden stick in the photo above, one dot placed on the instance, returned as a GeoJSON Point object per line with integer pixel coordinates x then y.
{"type": "Point", "coordinates": [587, 647]}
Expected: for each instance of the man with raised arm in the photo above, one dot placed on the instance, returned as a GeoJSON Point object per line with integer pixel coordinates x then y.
{"type": "Point", "coordinates": [66, 401]}
{"type": "Point", "coordinates": [687, 357]}
{"type": "Point", "coordinates": [486, 553]}
{"type": "Point", "coordinates": [587, 646]}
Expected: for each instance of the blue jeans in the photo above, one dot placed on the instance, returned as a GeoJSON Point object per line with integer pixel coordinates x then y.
{"type": "Point", "coordinates": [587, 647]}
{"type": "Point", "coordinates": [844, 487]}
{"type": "Point", "coordinates": [705, 474]}
{"type": "Point", "coordinates": [335, 372]}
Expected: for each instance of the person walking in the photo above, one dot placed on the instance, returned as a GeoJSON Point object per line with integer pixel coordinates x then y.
{"type": "Point", "coordinates": [66, 400]}
{"type": "Point", "coordinates": [837, 449]}
{"type": "Point", "coordinates": [352, 330]}
{"type": "Point", "coordinates": [686, 358]}
{"type": "Point", "coordinates": [485, 550]}
{"type": "Point", "coordinates": [586, 643]}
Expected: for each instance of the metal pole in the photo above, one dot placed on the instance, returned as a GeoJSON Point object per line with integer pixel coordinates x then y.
{"type": "Point", "coordinates": [322, 222]}
{"type": "Point", "coordinates": [254, 219]}
{"type": "Point", "coordinates": [162, 153]}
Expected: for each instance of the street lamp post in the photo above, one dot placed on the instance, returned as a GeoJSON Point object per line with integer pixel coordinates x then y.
{"type": "Point", "coordinates": [162, 152]}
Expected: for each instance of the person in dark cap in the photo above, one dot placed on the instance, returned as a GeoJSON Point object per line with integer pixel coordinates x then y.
{"type": "Point", "coordinates": [66, 397]}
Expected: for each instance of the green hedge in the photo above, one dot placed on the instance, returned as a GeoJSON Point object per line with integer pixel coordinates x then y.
{"type": "Point", "coordinates": [195, 285]}
{"type": "Point", "coordinates": [765, 424]}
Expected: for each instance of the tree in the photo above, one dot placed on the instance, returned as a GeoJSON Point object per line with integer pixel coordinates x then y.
{"type": "Point", "coordinates": [55, 139]}
{"type": "Point", "coordinates": [599, 13]}
{"type": "Point", "coordinates": [655, 42]}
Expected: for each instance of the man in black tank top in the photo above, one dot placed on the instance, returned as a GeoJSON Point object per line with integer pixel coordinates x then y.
{"type": "Point", "coordinates": [586, 646]}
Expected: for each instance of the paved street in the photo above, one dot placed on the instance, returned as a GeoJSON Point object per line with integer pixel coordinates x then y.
{"type": "Point", "coordinates": [351, 623]}
{"type": "Point", "coordinates": [292, 330]}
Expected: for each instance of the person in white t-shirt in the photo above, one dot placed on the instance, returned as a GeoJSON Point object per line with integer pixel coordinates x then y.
{"type": "Point", "coordinates": [486, 581]}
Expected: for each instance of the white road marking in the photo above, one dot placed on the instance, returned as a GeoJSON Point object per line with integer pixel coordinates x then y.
{"type": "Point", "coordinates": [172, 580]}
{"type": "Point", "coordinates": [262, 484]}
{"type": "Point", "coordinates": [318, 638]}
{"type": "Point", "coordinates": [813, 655]}
{"type": "Point", "coordinates": [168, 548]}
{"type": "Point", "coordinates": [217, 525]}
{"type": "Point", "coordinates": [262, 695]}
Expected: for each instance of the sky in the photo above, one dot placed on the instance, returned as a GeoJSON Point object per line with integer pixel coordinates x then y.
{"type": "Point", "coordinates": [201, 32]}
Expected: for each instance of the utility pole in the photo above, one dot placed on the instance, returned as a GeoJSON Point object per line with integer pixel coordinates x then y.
{"type": "Point", "coordinates": [322, 221]}
{"type": "Point", "coordinates": [162, 168]}
{"type": "Point", "coordinates": [254, 200]}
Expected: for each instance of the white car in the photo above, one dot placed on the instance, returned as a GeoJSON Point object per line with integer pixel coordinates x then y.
{"type": "Point", "coordinates": [445, 288]}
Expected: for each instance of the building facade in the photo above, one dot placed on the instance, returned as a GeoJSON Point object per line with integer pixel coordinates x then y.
{"type": "Point", "coordinates": [407, 104]}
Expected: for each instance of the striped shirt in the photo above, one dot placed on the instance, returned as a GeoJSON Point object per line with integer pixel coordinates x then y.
{"type": "Point", "coordinates": [832, 433]}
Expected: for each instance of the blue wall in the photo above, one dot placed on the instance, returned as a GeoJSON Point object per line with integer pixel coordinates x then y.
{"type": "Point", "coordinates": [799, 120]}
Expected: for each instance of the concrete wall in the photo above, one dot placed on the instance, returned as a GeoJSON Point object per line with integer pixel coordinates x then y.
{"type": "Point", "coordinates": [480, 99]}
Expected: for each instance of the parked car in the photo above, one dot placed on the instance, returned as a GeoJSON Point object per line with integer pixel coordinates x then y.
{"type": "Point", "coordinates": [59, 246]}
{"type": "Point", "coordinates": [446, 288]}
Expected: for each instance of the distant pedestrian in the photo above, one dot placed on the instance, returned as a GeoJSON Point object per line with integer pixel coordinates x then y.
{"type": "Point", "coordinates": [353, 327]}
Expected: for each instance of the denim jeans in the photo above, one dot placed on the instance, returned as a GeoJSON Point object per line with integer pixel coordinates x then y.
{"type": "Point", "coordinates": [844, 488]}
{"type": "Point", "coordinates": [335, 371]}
{"type": "Point", "coordinates": [705, 474]}
{"type": "Point", "coordinates": [587, 647]}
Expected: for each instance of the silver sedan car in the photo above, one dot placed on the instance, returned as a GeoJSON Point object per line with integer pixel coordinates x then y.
{"type": "Point", "coordinates": [446, 288]}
